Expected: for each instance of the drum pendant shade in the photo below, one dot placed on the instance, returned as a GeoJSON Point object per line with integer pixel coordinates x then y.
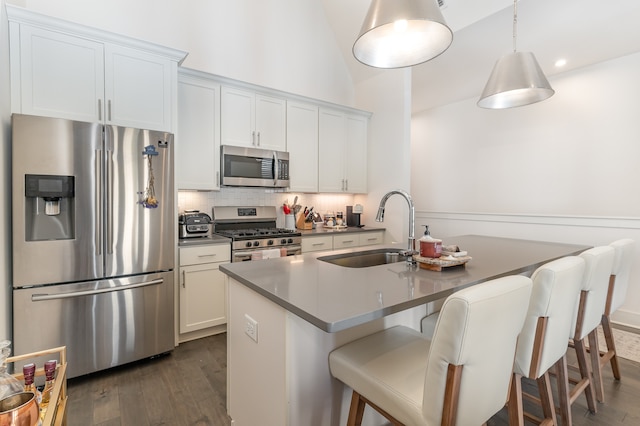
{"type": "Point", "coordinates": [516, 80]}
{"type": "Point", "coordinates": [402, 33]}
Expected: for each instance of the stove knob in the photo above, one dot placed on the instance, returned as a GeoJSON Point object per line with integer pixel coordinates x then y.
{"type": "Point", "coordinates": [256, 243]}
{"type": "Point", "coordinates": [290, 240]}
{"type": "Point", "coordinates": [270, 242]}
{"type": "Point", "coordinates": [283, 241]}
{"type": "Point", "coordinates": [248, 244]}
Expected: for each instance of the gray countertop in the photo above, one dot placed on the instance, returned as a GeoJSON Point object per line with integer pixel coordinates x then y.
{"type": "Point", "coordinates": [213, 239]}
{"type": "Point", "coordinates": [335, 298]}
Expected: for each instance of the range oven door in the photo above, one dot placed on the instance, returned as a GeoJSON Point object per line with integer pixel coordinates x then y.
{"type": "Point", "coordinates": [253, 167]}
{"type": "Point", "coordinates": [254, 254]}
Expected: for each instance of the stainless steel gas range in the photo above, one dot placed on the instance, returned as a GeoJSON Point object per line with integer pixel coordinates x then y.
{"type": "Point", "coordinates": [254, 234]}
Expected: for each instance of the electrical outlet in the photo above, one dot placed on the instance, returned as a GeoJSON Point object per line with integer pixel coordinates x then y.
{"type": "Point", "coordinates": [251, 327]}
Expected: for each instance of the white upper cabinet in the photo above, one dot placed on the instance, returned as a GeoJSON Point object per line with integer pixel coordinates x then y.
{"type": "Point", "coordinates": [66, 70]}
{"type": "Point", "coordinates": [342, 151]}
{"type": "Point", "coordinates": [138, 88]}
{"type": "Point", "coordinates": [302, 145]}
{"type": "Point", "coordinates": [198, 134]}
{"type": "Point", "coordinates": [56, 75]}
{"type": "Point", "coordinates": [252, 119]}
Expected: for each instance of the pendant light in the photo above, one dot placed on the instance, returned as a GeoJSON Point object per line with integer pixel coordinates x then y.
{"type": "Point", "coordinates": [402, 33]}
{"type": "Point", "coordinates": [516, 79]}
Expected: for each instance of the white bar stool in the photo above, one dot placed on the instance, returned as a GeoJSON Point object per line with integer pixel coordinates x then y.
{"type": "Point", "coordinates": [618, 284]}
{"type": "Point", "coordinates": [595, 285]}
{"type": "Point", "coordinates": [543, 340]}
{"type": "Point", "coordinates": [461, 376]}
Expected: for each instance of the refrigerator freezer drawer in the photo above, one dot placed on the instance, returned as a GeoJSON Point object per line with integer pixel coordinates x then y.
{"type": "Point", "coordinates": [102, 323]}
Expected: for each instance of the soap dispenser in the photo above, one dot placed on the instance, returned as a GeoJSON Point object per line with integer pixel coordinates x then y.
{"type": "Point", "coordinates": [429, 246]}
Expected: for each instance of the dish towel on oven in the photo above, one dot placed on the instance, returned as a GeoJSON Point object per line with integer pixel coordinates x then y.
{"type": "Point", "coordinates": [271, 253]}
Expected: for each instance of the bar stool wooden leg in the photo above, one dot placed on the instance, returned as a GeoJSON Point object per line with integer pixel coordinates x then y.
{"type": "Point", "coordinates": [356, 411]}
{"type": "Point", "coordinates": [585, 372]}
{"type": "Point", "coordinates": [546, 399]}
{"type": "Point", "coordinates": [594, 351]}
{"type": "Point", "coordinates": [514, 405]}
{"type": "Point", "coordinates": [564, 401]}
{"type": "Point", "coordinates": [611, 354]}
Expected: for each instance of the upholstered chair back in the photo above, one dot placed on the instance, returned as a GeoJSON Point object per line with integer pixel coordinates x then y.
{"type": "Point", "coordinates": [556, 286]}
{"type": "Point", "coordinates": [598, 267]}
{"type": "Point", "coordinates": [624, 251]}
{"type": "Point", "coordinates": [477, 328]}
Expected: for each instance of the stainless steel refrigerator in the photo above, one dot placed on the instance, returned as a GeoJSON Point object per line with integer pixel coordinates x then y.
{"type": "Point", "coordinates": [93, 241]}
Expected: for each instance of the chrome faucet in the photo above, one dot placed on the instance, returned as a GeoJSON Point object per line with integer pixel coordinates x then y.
{"type": "Point", "coordinates": [411, 246]}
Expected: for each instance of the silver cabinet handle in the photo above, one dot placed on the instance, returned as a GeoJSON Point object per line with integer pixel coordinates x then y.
{"type": "Point", "coordinates": [347, 241]}
{"type": "Point", "coordinates": [207, 255]}
{"type": "Point", "coordinates": [41, 297]}
{"type": "Point", "coordinates": [258, 139]}
{"type": "Point", "coordinates": [109, 110]}
{"type": "Point", "coordinates": [253, 138]}
{"type": "Point", "coordinates": [99, 109]}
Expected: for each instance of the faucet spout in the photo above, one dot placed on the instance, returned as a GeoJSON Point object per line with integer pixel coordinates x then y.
{"type": "Point", "coordinates": [411, 242]}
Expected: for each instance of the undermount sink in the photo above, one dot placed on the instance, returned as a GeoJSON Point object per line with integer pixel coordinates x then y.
{"type": "Point", "coordinates": [364, 259]}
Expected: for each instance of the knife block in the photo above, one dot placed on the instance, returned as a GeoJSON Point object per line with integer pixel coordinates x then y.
{"type": "Point", "coordinates": [301, 224]}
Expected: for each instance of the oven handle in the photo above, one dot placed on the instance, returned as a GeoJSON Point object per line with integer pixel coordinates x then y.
{"type": "Point", "coordinates": [245, 255]}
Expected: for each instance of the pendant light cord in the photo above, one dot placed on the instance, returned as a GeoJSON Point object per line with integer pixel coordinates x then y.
{"type": "Point", "coordinates": [515, 24]}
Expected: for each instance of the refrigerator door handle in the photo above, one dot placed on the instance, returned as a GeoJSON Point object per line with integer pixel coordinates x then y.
{"type": "Point", "coordinates": [98, 202]}
{"type": "Point", "coordinates": [109, 202]}
{"type": "Point", "coordinates": [42, 297]}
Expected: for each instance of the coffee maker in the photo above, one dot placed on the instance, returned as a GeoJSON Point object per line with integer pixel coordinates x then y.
{"type": "Point", "coordinates": [353, 216]}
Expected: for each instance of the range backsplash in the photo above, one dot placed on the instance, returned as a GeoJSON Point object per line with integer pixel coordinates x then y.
{"type": "Point", "coordinates": [205, 200]}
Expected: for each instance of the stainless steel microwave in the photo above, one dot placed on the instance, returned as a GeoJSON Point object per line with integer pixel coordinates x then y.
{"type": "Point", "coordinates": [253, 167]}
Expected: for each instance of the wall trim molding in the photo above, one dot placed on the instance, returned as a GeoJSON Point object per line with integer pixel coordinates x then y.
{"type": "Point", "coordinates": [536, 219]}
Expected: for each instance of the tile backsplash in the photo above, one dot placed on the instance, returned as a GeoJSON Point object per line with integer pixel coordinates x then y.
{"type": "Point", "coordinates": [205, 200]}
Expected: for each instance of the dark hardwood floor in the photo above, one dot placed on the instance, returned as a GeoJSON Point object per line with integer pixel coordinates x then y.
{"type": "Point", "coordinates": [188, 387]}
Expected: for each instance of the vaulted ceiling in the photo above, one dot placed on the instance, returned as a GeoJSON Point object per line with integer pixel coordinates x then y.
{"type": "Point", "coordinates": [583, 32]}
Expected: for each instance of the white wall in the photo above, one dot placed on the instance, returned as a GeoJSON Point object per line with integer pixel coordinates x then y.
{"type": "Point", "coordinates": [282, 44]}
{"type": "Point", "coordinates": [566, 169]}
{"type": "Point", "coordinates": [388, 97]}
{"type": "Point", "coordinates": [5, 181]}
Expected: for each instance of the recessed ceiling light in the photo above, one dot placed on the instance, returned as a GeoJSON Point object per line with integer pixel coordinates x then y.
{"type": "Point", "coordinates": [561, 63]}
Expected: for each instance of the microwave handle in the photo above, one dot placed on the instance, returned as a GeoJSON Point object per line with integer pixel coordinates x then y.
{"type": "Point", "coordinates": [275, 168]}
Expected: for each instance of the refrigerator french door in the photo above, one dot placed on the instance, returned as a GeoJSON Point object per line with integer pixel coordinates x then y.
{"type": "Point", "coordinates": [93, 241]}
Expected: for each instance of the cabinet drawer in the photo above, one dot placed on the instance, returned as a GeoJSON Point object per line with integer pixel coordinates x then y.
{"type": "Point", "coordinates": [205, 254]}
{"type": "Point", "coordinates": [371, 238]}
{"type": "Point", "coordinates": [345, 241]}
{"type": "Point", "coordinates": [317, 243]}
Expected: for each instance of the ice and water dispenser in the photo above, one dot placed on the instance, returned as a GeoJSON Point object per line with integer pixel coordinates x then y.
{"type": "Point", "coordinates": [49, 207]}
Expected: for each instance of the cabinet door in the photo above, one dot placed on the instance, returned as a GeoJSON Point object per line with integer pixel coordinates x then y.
{"type": "Point", "coordinates": [138, 88]}
{"type": "Point", "coordinates": [198, 135]}
{"type": "Point", "coordinates": [271, 123]}
{"type": "Point", "coordinates": [345, 241]}
{"type": "Point", "coordinates": [57, 75]}
{"type": "Point", "coordinates": [331, 151]}
{"type": "Point", "coordinates": [237, 117]}
{"type": "Point", "coordinates": [302, 145]}
{"type": "Point", "coordinates": [371, 238]}
{"type": "Point", "coordinates": [320, 243]}
{"type": "Point", "coordinates": [202, 297]}
{"type": "Point", "coordinates": [356, 154]}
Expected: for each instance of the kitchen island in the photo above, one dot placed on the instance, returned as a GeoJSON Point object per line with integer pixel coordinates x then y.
{"type": "Point", "coordinates": [287, 314]}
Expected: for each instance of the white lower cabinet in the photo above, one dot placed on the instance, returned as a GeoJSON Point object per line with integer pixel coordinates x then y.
{"type": "Point", "coordinates": [203, 290]}
{"type": "Point", "coordinates": [341, 241]}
